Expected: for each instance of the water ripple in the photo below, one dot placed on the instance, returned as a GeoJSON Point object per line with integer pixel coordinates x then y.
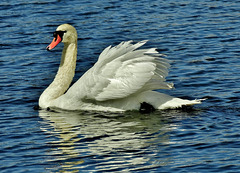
{"type": "Point", "coordinates": [200, 38]}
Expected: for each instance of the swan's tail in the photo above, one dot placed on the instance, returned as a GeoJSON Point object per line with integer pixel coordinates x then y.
{"type": "Point", "coordinates": [164, 101]}
{"type": "Point", "coordinates": [175, 103]}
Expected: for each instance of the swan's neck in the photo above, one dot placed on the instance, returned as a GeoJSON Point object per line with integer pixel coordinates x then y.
{"type": "Point", "coordinates": [63, 77]}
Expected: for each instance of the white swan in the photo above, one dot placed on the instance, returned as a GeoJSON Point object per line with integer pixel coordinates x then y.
{"type": "Point", "coordinates": [122, 79]}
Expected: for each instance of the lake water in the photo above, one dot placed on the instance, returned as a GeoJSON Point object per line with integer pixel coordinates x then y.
{"type": "Point", "coordinates": [202, 42]}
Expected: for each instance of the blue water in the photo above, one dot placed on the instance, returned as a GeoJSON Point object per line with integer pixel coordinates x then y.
{"type": "Point", "coordinates": [202, 42]}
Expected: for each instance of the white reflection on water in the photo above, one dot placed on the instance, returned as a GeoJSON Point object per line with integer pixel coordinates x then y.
{"type": "Point", "coordinates": [107, 141]}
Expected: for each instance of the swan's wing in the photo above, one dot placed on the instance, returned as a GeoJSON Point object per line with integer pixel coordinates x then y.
{"type": "Point", "coordinates": [122, 70]}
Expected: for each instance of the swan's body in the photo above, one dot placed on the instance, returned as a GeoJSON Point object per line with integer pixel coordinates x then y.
{"type": "Point", "coordinates": [122, 79]}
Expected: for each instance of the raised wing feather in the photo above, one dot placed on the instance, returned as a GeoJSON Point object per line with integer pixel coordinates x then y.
{"type": "Point", "coordinates": [122, 70]}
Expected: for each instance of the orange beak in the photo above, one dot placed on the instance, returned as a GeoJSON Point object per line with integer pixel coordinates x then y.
{"type": "Point", "coordinates": [54, 43]}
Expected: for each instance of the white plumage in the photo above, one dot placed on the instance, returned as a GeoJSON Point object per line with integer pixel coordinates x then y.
{"type": "Point", "coordinates": [122, 78]}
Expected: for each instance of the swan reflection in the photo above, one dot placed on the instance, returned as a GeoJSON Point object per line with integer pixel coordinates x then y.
{"type": "Point", "coordinates": [106, 141]}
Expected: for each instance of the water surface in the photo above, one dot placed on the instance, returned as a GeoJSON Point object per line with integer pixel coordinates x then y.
{"type": "Point", "coordinates": [201, 40]}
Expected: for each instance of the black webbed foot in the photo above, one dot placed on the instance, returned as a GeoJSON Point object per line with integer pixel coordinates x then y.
{"type": "Point", "coordinates": [146, 108]}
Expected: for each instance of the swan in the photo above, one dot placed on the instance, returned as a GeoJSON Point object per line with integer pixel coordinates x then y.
{"type": "Point", "coordinates": [123, 78]}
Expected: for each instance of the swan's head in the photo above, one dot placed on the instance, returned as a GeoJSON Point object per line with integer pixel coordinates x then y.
{"type": "Point", "coordinates": [64, 33]}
